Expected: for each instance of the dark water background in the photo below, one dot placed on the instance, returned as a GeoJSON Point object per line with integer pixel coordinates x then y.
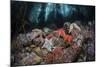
{"type": "Point", "coordinates": [26, 16]}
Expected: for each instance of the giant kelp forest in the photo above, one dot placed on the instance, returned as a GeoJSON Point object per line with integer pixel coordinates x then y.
{"type": "Point", "coordinates": [50, 33]}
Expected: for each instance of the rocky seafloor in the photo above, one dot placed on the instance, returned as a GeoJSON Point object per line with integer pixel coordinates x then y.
{"type": "Point", "coordinates": [44, 46]}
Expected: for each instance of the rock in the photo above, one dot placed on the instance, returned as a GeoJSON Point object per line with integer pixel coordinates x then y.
{"type": "Point", "coordinates": [38, 51]}
{"type": "Point", "coordinates": [70, 54]}
{"type": "Point", "coordinates": [78, 40]}
{"type": "Point", "coordinates": [58, 54]}
{"type": "Point", "coordinates": [74, 26]}
{"type": "Point", "coordinates": [44, 51]}
{"type": "Point", "coordinates": [39, 41]}
{"type": "Point", "coordinates": [47, 30]}
{"type": "Point", "coordinates": [49, 58]}
{"type": "Point", "coordinates": [32, 58]}
{"type": "Point", "coordinates": [32, 46]}
{"type": "Point", "coordinates": [22, 39]}
{"type": "Point", "coordinates": [66, 27]}
{"type": "Point", "coordinates": [54, 56]}
{"type": "Point", "coordinates": [28, 49]}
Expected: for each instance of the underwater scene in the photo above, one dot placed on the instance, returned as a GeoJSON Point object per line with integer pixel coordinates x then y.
{"type": "Point", "coordinates": [51, 33]}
